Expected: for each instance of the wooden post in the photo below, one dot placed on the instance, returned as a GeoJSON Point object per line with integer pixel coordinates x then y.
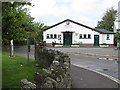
{"type": "Point", "coordinates": [11, 49]}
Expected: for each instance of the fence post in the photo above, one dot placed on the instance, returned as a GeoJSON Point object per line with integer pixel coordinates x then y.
{"type": "Point", "coordinates": [28, 47]}
{"type": "Point", "coordinates": [11, 48]}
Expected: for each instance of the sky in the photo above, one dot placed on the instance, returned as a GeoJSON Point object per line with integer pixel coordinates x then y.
{"type": "Point", "coordinates": [87, 12]}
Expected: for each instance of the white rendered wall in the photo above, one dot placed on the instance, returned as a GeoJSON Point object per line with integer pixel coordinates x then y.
{"type": "Point", "coordinates": [104, 39]}
{"type": "Point", "coordinates": [77, 30]}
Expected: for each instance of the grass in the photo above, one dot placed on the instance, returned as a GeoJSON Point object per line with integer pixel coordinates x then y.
{"type": "Point", "coordinates": [16, 68]}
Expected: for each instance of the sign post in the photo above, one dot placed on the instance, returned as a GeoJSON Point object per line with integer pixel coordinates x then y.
{"type": "Point", "coordinates": [11, 48]}
{"type": "Point", "coordinates": [28, 47]}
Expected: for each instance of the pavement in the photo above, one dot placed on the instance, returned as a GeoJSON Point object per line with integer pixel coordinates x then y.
{"type": "Point", "coordinates": [81, 77]}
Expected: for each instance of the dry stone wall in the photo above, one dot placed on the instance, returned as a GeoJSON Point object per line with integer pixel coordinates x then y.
{"type": "Point", "coordinates": [55, 69]}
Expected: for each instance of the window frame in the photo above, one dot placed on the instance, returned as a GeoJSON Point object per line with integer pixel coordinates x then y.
{"type": "Point", "coordinates": [48, 36]}
{"type": "Point", "coordinates": [89, 35]}
{"type": "Point", "coordinates": [108, 37]}
{"type": "Point", "coordinates": [84, 36]}
{"type": "Point", "coordinates": [55, 36]}
{"type": "Point", "coordinates": [51, 36]}
{"type": "Point", "coordinates": [80, 36]}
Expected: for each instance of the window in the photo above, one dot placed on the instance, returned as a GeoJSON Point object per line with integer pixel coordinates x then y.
{"type": "Point", "coordinates": [59, 37]}
{"type": "Point", "coordinates": [48, 36]}
{"type": "Point", "coordinates": [108, 38]}
{"type": "Point", "coordinates": [89, 36]}
{"type": "Point", "coordinates": [55, 35]}
{"type": "Point", "coordinates": [84, 35]}
{"type": "Point", "coordinates": [51, 36]}
{"type": "Point", "coordinates": [80, 35]}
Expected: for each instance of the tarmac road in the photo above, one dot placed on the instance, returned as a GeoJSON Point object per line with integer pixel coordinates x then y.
{"type": "Point", "coordinates": [109, 67]}
{"type": "Point", "coordinates": [81, 78]}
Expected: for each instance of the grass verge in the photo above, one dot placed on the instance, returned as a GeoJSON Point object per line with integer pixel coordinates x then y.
{"type": "Point", "coordinates": [16, 68]}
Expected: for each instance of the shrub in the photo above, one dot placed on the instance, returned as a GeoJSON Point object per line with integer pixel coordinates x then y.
{"type": "Point", "coordinates": [104, 44]}
{"type": "Point", "coordinates": [75, 44]}
{"type": "Point", "coordinates": [58, 44]}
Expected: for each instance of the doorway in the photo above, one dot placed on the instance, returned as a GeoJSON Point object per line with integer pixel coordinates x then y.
{"type": "Point", "coordinates": [67, 38]}
{"type": "Point", "coordinates": [96, 40]}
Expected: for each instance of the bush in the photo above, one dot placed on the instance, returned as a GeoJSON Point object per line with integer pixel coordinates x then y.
{"type": "Point", "coordinates": [116, 36]}
{"type": "Point", "coordinates": [5, 42]}
{"type": "Point", "coordinates": [75, 44]}
{"type": "Point", "coordinates": [58, 44]}
{"type": "Point", "coordinates": [104, 44]}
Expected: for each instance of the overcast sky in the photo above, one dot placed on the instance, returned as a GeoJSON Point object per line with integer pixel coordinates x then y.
{"type": "Point", "coordinates": [86, 12]}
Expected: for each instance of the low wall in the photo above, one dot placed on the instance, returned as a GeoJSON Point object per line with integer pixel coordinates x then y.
{"type": "Point", "coordinates": [55, 69]}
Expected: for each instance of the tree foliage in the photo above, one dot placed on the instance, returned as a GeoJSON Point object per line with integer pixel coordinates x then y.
{"type": "Point", "coordinates": [39, 27]}
{"type": "Point", "coordinates": [15, 20]}
{"type": "Point", "coordinates": [116, 36]}
{"type": "Point", "coordinates": [108, 19]}
{"type": "Point", "coordinates": [17, 24]}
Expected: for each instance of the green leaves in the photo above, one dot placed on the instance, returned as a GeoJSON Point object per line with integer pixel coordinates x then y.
{"type": "Point", "coordinates": [116, 36]}
{"type": "Point", "coordinates": [14, 17]}
{"type": "Point", "coordinates": [108, 19]}
{"type": "Point", "coordinates": [17, 24]}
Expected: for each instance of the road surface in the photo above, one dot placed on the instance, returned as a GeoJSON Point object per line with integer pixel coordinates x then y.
{"type": "Point", "coordinates": [82, 78]}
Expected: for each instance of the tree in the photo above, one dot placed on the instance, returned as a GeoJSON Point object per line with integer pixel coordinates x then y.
{"type": "Point", "coordinates": [17, 24]}
{"type": "Point", "coordinates": [39, 27]}
{"type": "Point", "coordinates": [116, 36]}
{"type": "Point", "coordinates": [108, 19]}
{"type": "Point", "coordinates": [15, 21]}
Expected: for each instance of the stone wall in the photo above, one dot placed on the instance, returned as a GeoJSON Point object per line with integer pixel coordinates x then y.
{"type": "Point", "coordinates": [55, 68]}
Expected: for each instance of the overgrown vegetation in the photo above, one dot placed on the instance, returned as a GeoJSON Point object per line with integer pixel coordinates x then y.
{"type": "Point", "coordinates": [16, 68]}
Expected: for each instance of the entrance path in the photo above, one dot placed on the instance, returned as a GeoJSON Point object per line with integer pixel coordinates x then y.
{"type": "Point", "coordinates": [81, 78]}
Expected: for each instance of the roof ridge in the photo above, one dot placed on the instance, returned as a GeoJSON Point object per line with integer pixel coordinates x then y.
{"type": "Point", "coordinates": [77, 24]}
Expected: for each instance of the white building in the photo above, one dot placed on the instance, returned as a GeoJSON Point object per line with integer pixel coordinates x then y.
{"type": "Point", "coordinates": [69, 32]}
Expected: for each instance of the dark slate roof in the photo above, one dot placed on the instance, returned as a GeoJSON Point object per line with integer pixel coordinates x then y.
{"type": "Point", "coordinates": [98, 30]}
{"type": "Point", "coordinates": [104, 31]}
{"type": "Point", "coordinates": [118, 29]}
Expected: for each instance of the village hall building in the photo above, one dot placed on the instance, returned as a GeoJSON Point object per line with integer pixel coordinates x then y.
{"type": "Point", "coordinates": [69, 32]}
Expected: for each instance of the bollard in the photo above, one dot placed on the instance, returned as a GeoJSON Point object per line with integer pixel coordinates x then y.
{"type": "Point", "coordinates": [11, 48]}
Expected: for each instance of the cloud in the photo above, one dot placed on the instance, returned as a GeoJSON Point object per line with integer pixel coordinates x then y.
{"type": "Point", "coordinates": [84, 19]}
{"type": "Point", "coordinates": [89, 11]}
{"type": "Point", "coordinates": [45, 8]}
